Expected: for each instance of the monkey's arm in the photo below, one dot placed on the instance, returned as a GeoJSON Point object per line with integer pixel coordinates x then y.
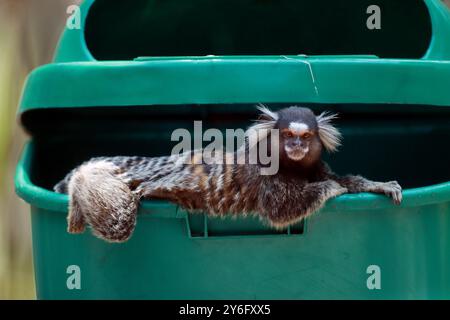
{"type": "Point", "coordinates": [284, 204]}
{"type": "Point", "coordinates": [356, 184]}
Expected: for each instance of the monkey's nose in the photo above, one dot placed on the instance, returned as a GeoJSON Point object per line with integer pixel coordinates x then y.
{"type": "Point", "coordinates": [296, 144]}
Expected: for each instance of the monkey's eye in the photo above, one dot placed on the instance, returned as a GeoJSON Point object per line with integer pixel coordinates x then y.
{"type": "Point", "coordinates": [306, 135]}
{"type": "Point", "coordinates": [287, 134]}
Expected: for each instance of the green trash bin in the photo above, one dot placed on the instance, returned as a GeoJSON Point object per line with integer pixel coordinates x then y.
{"type": "Point", "coordinates": [135, 72]}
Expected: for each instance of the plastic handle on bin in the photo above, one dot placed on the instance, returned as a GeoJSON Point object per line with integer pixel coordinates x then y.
{"type": "Point", "coordinates": [72, 46]}
{"type": "Point", "coordinates": [202, 226]}
{"type": "Point", "coordinates": [439, 48]}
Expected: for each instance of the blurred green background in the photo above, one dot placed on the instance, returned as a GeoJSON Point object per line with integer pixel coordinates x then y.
{"type": "Point", "coordinates": [29, 31]}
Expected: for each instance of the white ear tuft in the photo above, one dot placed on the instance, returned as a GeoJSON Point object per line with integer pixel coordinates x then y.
{"type": "Point", "coordinates": [258, 132]}
{"type": "Point", "coordinates": [266, 112]}
{"type": "Point", "coordinates": [262, 128]}
{"type": "Point", "coordinates": [329, 135]}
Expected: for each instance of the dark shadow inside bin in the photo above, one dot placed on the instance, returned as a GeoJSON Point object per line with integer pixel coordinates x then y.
{"type": "Point", "coordinates": [121, 30]}
{"type": "Point", "coordinates": [408, 143]}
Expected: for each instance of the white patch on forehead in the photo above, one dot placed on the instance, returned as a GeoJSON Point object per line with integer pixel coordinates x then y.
{"type": "Point", "coordinates": [298, 127]}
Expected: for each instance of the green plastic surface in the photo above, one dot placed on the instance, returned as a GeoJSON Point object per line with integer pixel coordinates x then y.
{"type": "Point", "coordinates": [393, 112]}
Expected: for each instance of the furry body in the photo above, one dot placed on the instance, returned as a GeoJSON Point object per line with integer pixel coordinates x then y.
{"type": "Point", "coordinates": [105, 192]}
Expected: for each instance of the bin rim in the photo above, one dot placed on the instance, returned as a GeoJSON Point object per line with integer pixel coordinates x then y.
{"type": "Point", "coordinates": [237, 79]}
{"type": "Point", "coordinates": [42, 198]}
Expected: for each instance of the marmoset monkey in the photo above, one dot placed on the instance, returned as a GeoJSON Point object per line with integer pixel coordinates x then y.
{"type": "Point", "coordinates": [105, 192]}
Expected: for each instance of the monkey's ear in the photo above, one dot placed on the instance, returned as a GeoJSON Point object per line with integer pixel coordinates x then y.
{"type": "Point", "coordinates": [260, 130]}
{"type": "Point", "coordinates": [328, 134]}
{"type": "Point", "coordinates": [266, 114]}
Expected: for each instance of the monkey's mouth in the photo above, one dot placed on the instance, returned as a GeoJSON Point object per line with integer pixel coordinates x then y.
{"type": "Point", "coordinates": [296, 154]}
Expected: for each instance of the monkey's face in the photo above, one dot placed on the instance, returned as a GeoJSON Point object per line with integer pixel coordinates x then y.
{"type": "Point", "coordinates": [299, 138]}
{"type": "Point", "coordinates": [302, 135]}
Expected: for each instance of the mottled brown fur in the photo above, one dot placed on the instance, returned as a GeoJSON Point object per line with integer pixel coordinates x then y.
{"type": "Point", "coordinates": [105, 192]}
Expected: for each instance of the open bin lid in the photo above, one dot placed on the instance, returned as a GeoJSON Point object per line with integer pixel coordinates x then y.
{"type": "Point", "coordinates": [83, 74]}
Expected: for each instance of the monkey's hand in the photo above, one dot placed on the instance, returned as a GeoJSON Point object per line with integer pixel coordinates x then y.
{"type": "Point", "coordinates": [356, 184]}
{"type": "Point", "coordinates": [391, 189]}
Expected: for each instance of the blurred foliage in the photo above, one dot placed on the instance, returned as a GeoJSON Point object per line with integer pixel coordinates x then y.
{"type": "Point", "coordinates": [29, 30]}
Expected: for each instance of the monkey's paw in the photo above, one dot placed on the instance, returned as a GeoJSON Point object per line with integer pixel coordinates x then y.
{"type": "Point", "coordinates": [391, 189]}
